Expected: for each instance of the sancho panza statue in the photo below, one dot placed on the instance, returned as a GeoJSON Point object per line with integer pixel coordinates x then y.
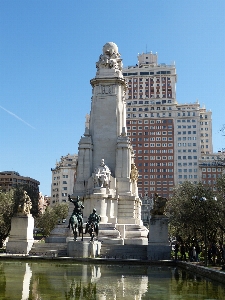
{"type": "Point", "coordinates": [101, 175]}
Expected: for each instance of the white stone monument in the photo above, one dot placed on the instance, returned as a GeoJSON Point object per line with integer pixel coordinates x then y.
{"type": "Point", "coordinates": [22, 226]}
{"type": "Point", "coordinates": [106, 172]}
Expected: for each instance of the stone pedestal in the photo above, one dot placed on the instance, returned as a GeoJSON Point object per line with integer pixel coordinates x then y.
{"type": "Point", "coordinates": [83, 249]}
{"type": "Point", "coordinates": [158, 244]}
{"type": "Point", "coordinates": [21, 235]}
{"type": "Point", "coordinates": [59, 234]}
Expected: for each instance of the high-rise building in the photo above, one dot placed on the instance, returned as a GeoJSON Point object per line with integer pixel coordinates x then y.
{"type": "Point", "coordinates": [11, 179]}
{"type": "Point", "coordinates": [168, 138]}
{"type": "Point", "coordinates": [63, 178]}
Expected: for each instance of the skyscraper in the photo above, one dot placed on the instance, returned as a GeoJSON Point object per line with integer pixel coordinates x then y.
{"type": "Point", "coordinates": [168, 138]}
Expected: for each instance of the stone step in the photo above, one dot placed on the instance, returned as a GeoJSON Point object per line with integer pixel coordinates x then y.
{"type": "Point", "coordinates": [49, 249]}
{"type": "Point", "coordinates": [124, 251]}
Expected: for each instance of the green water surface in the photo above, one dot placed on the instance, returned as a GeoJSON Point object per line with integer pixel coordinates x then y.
{"type": "Point", "coordinates": [42, 280]}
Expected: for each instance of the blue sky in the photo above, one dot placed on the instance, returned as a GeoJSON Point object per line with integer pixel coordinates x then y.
{"type": "Point", "coordinates": [48, 51]}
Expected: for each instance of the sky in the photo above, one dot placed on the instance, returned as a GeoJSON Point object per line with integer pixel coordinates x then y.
{"type": "Point", "coordinates": [48, 51]}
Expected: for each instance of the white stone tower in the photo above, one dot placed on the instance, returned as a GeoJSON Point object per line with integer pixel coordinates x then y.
{"type": "Point", "coordinates": [106, 173]}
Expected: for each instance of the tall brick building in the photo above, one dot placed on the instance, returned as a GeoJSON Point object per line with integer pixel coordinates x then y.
{"type": "Point", "coordinates": [168, 138]}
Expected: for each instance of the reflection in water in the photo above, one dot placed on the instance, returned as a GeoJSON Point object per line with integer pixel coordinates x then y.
{"type": "Point", "coordinates": [26, 282]}
{"type": "Point", "coordinates": [55, 280]}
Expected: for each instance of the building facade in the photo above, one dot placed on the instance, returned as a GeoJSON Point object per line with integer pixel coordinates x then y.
{"type": "Point", "coordinates": [168, 138]}
{"type": "Point", "coordinates": [63, 178]}
{"type": "Point", "coordinates": [211, 168]}
{"type": "Point", "coordinates": [10, 179]}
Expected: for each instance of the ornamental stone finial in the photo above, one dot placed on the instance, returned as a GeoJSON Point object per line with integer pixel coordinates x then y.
{"type": "Point", "coordinates": [110, 59]}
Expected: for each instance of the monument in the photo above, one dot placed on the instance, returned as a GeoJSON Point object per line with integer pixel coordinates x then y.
{"type": "Point", "coordinates": [106, 172]}
{"type": "Point", "coordinates": [22, 226]}
{"type": "Point", "coordinates": [158, 245]}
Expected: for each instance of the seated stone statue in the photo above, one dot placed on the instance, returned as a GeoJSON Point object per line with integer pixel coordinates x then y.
{"type": "Point", "coordinates": [101, 175]}
{"type": "Point", "coordinates": [25, 204]}
{"type": "Point", "coordinates": [159, 205]}
{"type": "Point", "coordinates": [77, 211]}
{"type": "Point", "coordinates": [93, 220]}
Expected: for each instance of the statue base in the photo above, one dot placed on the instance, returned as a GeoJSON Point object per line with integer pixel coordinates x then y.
{"type": "Point", "coordinates": [158, 245]}
{"type": "Point", "coordinates": [83, 249]}
{"type": "Point", "coordinates": [21, 235]}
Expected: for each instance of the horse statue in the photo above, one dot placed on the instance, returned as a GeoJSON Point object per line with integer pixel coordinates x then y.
{"type": "Point", "coordinates": [77, 226]}
{"type": "Point", "coordinates": [76, 219]}
{"type": "Point", "coordinates": [159, 205]}
{"type": "Point", "coordinates": [92, 224]}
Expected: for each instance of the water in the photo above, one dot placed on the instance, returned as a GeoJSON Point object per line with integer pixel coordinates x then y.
{"type": "Point", "coordinates": [42, 280]}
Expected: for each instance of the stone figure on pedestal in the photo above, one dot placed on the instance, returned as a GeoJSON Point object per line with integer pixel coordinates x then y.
{"type": "Point", "coordinates": [101, 175]}
{"type": "Point", "coordinates": [158, 246]}
{"type": "Point", "coordinates": [159, 205]}
{"type": "Point", "coordinates": [25, 204]}
{"type": "Point", "coordinates": [22, 226]}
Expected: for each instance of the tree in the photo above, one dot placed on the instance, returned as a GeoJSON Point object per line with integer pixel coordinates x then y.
{"type": "Point", "coordinates": [51, 217]}
{"type": "Point", "coordinates": [6, 213]}
{"type": "Point", "coordinates": [191, 209]}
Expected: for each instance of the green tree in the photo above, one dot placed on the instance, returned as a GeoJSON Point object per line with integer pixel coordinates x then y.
{"type": "Point", "coordinates": [191, 209]}
{"type": "Point", "coordinates": [6, 213]}
{"type": "Point", "coordinates": [51, 217]}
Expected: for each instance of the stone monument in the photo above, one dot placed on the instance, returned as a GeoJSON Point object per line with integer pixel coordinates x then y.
{"type": "Point", "coordinates": [158, 245]}
{"type": "Point", "coordinates": [22, 226]}
{"type": "Point", "coordinates": [106, 172]}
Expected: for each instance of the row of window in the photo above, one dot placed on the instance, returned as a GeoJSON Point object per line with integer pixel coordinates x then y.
{"type": "Point", "coordinates": [187, 164]}
{"type": "Point", "coordinates": [147, 73]}
{"type": "Point", "coordinates": [158, 151]}
{"type": "Point", "coordinates": [155, 145]}
{"type": "Point", "coordinates": [187, 132]}
{"type": "Point", "coordinates": [152, 96]}
{"type": "Point", "coordinates": [156, 170]}
{"type": "Point", "coordinates": [211, 170]}
{"type": "Point", "coordinates": [187, 176]}
{"type": "Point", "coordinates": [186, 144]}
{"type": "Point", "coordinates": [158, 182]}
{"type": "Point", "coordinates": [155, 157]}
{"type": "Point", "coordinates": [150, 127]}
{"type": "Point", "coordinates": [151, 133]}
{"type": "Point", "coordinates": [150, 121]}
{"type": "Point", "coordinates": [152, 139]}
{"type": "Point", "coordinates": [149, 115]}
{"type": "Point", "coordinates": [188, 150]}
{"type": "Point", "coordinates": [187, 157]}
{"type": "Point", "coordinates": [208, 175]}
{"type": "Point", "coordinates": [189, 138]}
{"type": "Point", "coordinates": [152, 102]}
{"type": "Point", "coordinates": [184, 126]}
{"type": "Point", "coordinates": [157, 176]}
{"type": "Point", "coordinates": [187, 170]}
{"type": "Point", "coordinates": [186, 120]}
